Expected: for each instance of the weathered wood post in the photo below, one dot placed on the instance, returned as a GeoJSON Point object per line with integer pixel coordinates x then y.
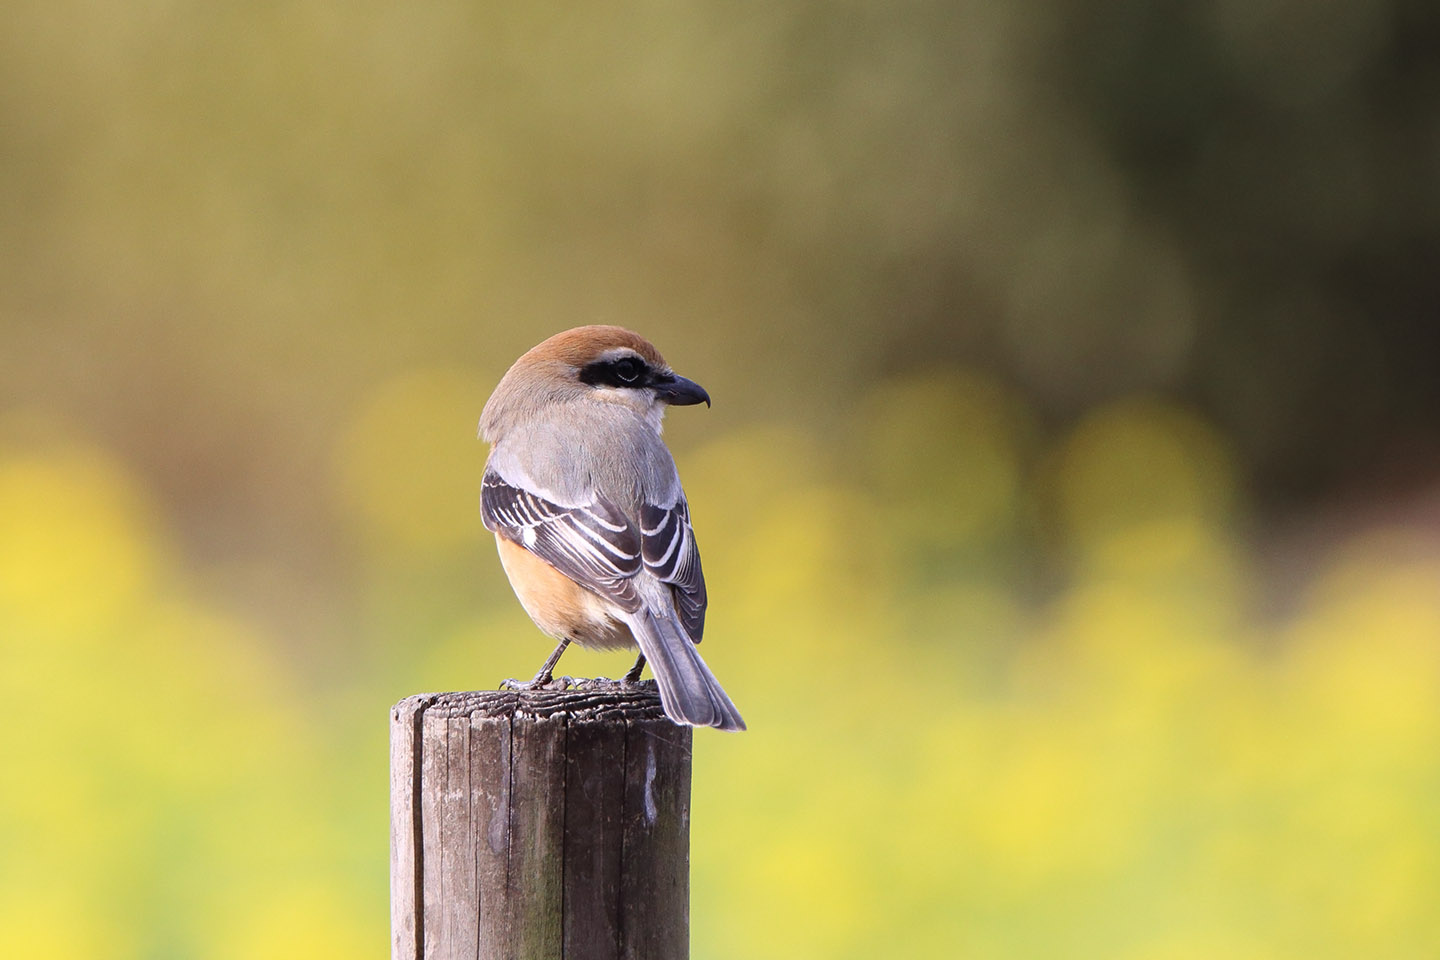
{"type": "Point", "coordinates": [539, 826]}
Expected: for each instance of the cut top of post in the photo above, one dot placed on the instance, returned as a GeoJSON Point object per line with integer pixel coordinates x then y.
{"type": "Point", "coordinates": [618, 705]}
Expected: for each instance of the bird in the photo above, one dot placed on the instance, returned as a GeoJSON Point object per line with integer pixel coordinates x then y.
{"type": "Point", "coordinates": [589, 516]}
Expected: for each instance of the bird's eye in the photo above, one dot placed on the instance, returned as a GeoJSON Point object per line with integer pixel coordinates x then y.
{"type": "Point", "coordinates": [628, 369]}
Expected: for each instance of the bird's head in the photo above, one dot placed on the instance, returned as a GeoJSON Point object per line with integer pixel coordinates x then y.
{"type": "Point", "coordinates": [602, 364]}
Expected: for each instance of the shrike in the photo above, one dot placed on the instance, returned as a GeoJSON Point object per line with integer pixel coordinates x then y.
{"type": "Point", "coordinates": [588, 513]}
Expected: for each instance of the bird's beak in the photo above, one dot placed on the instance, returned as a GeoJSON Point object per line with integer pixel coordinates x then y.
{"type": "Point", "coordinates": [680, 392]}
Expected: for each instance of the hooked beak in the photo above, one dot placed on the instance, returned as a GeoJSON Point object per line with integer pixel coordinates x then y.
{"type": "Point", "coordinates": [680, 392]}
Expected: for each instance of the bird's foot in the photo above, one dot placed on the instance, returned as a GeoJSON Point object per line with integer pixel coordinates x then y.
{"type": "Point", "coordinates": [597, 684]}
{"type": "Point", "coordinates": [540, 682]}
{"type": "Point", "coordinates": [543, 679]}
{"type": "Point", "coordinates": [606, 685]}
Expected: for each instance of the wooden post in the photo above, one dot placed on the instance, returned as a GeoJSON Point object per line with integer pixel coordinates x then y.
{"type": "Point", "coordinates": [539, 826]}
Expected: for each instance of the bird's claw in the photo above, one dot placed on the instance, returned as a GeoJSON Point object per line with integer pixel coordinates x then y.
{"type": "Point", "coordinates": [594, 684]}
{"type": "Point", "coordinates": [539, 683]}
{"type": "Point", "coordinates": [588, 685]}
{"type": "Point", "coordinates": [606, 684]}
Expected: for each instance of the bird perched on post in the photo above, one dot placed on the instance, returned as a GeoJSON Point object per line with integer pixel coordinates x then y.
{"type": "Point", "coordinates": [588, 514]}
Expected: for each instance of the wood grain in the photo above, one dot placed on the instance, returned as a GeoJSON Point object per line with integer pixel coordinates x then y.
{"type": "Point", "coordinates": [550, 825]}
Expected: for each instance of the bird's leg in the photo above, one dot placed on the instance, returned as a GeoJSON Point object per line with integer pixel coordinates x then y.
{"type": "Point", "coordinates": [605, 684]}
{"type": "Point", "coordinates": [543, 678]}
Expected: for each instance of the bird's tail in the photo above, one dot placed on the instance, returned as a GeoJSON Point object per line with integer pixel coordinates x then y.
{"type": "Point", "coordinates": [688, 690]}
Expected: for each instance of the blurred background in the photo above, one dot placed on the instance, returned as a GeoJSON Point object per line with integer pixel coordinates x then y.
{"type": "Point", "coordinates": [1070, 502]}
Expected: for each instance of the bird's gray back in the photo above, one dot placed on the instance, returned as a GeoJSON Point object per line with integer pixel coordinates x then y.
{"type": "Point", "coordinates": [570, 451]}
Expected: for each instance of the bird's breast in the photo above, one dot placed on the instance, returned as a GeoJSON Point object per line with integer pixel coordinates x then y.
{"type": "Point", "coordinates": [559, 606]}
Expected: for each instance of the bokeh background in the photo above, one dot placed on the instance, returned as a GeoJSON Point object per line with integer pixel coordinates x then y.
{"type": "Point", "coordinates": [1070, 502]}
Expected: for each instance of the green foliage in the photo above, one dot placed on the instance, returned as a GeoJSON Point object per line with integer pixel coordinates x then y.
{"type": "Point", "coordinates": [1134, 766]}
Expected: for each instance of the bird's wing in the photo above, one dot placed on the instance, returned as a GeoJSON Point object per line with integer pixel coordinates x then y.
{"type": "Point", "coordinates": [593, 544]}
{"type": "Point", "coordinates": [670, 554]}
